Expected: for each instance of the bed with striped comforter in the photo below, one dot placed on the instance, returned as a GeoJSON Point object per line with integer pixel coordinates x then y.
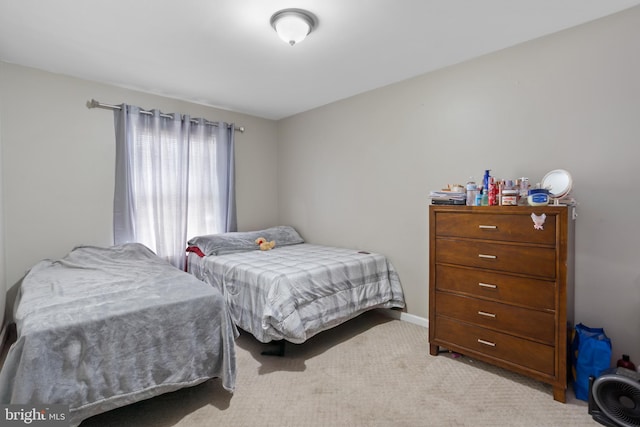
{"type": "Point", "coordinates": [294, 292]}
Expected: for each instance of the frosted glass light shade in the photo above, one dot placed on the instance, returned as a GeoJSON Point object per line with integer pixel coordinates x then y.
{"type": "Point", "coordinates": [293, 25]}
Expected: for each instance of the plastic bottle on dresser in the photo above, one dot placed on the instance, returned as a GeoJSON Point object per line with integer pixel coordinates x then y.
{"type": "Point", "coordinates": [624, 362]}
{"type": "Point", "coordinates": [485, 180]}
{"type": "Point", "coordinates": [472, 190]}
{"type": "Point", "coordinates": [492, 192]}
{"type": "Point", "coordinates": [478, 201]}
{"type": "Point", "coordinates": [524, 191]}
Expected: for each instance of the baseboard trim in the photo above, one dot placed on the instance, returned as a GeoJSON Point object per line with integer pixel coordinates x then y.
{"type": "Point", "coordinates": [406, 317]}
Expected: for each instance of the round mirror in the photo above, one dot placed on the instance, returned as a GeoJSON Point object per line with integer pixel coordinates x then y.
{"type": "Point", "coordinates": [558, 182]}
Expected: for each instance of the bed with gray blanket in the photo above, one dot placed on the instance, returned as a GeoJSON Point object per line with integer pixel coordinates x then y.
{"type": "Point", "coordinates": [295, 290]}
{"type": "Point", "coordinates": [105, 327]}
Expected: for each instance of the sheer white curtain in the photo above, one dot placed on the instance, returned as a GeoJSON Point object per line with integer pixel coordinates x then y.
{"type": "Point", "coordinates": [174, 180]}
{"type": "Point", "coordinates": [212, 202]}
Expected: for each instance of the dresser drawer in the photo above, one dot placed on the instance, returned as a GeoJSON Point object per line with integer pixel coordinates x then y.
{"type": "Point", "coordinates": [514, 350]}
{"type": "Point", "coordinates": [537, 325]}
{"type": "Point", "coordinates": [534, 261]}
{"type": "Point", "coordinates": [495, 226]}
{"type": "Point", "coordinates": [523, 291]}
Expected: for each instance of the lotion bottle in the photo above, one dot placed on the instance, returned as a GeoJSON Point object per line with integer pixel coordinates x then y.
{"type": "Point", "coordinates": [485, 180]}
{"type": "Point", "coordinates": [485, 197]}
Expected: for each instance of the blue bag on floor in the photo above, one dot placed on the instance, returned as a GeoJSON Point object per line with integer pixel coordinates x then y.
{"type": "Point", "coordinates": [591, 354]}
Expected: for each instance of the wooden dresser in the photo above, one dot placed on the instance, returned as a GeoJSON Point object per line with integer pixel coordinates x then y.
{"type": "Point", "coordinates": [501, 287]}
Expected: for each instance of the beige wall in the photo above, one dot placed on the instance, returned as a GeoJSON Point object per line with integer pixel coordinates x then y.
{"type": "Point", "coordinates": [358, 172]}
{"type": "Point", "coordinates": [58, 159]}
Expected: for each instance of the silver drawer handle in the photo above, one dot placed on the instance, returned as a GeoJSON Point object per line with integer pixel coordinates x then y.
{"type": "Point", "coordinates": [489, 343]}
{"type": "Point", "coordinates": [487, 285]}
{"type": "Point", "coordinates": [485, 314]}
{"type": "Point", "coordinates": [491, 227]}
{"type": "Point", "coordinates": [487, 256]}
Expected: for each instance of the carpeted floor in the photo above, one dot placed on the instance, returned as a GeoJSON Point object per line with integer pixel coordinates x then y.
{"type": "Point", "coordinates": [371, 371]}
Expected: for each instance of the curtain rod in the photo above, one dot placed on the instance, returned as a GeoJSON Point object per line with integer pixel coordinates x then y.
{"type": "Point", "coordinates": [95, 104]}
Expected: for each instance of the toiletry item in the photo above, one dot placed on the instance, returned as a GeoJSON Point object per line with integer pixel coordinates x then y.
{"type": "Point", "coordinates": [538, 197]}
{"type": "Point", "coordinates": [509, 197]}
{"type": "Point", "coordinates": [492, 192]}
{"type": "Point", "coordinates": [485, 197]}
{"type": "Point", "coordinates": [471, 192]}
{"type": "Point", "coordinates": [478, 193]}
{"type": "Point", "coordinates": [485, 180]}
{"type": "Point", "coordinates": [506, 193]}
{"type": "Point", "coordinates": [624, 362]}
{"type": "Point", "coordinates": [524, 189]}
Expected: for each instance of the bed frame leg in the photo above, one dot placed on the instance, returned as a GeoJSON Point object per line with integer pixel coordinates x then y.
{"type": "Point", "coordinates": [277, 351]}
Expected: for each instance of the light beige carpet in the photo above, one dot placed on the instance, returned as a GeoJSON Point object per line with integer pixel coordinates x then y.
{"type": "Point", "coordinates": [371, 371]}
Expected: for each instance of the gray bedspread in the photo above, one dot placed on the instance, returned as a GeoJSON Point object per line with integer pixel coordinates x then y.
{"type": "Point", "coordinates": [294, 292]}
{"type": "Point", "coordinates": [106, 327]}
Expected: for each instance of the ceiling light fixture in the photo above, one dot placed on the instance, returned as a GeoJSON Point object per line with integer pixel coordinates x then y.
{"type": "Point", "coordinates": [293, 25]}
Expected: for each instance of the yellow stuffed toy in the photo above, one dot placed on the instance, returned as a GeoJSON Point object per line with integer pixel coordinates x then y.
{"type": "Point", "coordinates": [264, 245]}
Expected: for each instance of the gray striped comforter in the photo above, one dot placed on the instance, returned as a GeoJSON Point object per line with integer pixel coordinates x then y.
{"type": "Point", "coordinates": [294, 292]}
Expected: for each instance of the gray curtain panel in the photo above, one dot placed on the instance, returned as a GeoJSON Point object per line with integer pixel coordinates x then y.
{"type": "Point", "coordinates": [174, 179]}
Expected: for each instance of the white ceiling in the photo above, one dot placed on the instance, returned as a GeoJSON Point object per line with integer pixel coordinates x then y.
{"type": "Point", "coordinates": [224, 53]}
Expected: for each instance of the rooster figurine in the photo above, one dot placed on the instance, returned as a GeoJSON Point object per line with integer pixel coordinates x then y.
{"type": "Point", "coordinates": [538, 221]}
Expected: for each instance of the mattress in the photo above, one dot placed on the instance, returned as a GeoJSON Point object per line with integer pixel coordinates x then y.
{"type": "Point", "coordinates": [106, 327]}
{"type": "Point", "coordinates": [294, 292]}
